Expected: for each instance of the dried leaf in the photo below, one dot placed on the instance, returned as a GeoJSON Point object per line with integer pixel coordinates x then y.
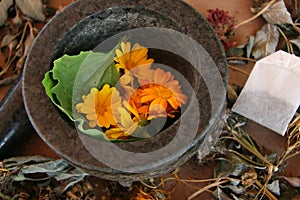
{"type": "Point", "coordinates": [250, 46]}
{"type": "Point", "coordinates": [266, 41]}
{"type": "Point", "coordinates": [293, 7]}
{"type": "Point", "coordinates": [249, 178]}
{"type": "Point", "coordinates": [272, 158]}
{"type": "Point", "coordinates": [294, 181]}
{"type": "Point", "coordinates": [16, 162]}
{"type": "Point", "coordinates": [289, 30]}
{"type": "Point", "coordinates": [220, 194]}
{"type": "Point", "coordinates": [32, 8]}
{"type": "Point", "coordinates": [278, 14]}
{"type": "Point", "coordinates": [4, 5]}
{"type": "Point", "coordinates": [46, 167]}
{"type": "Point", "coordinates": [296, 42]}
{"type": "Point", "coordinates": [236, 189]}
{"type": "Point", "coordinates": [8, 38]}
{"type": "Point", "coordinates": [274, 187]}
{"type": "Point", "coordinates": [232, 95]}
{"type": "Point", "coordinates": [17, 19]}
{"type": "Point", "coordinates": [258, 5]}
{"type": "Point", "coordinates": [28, 42]}
{"type": "Point", "coordinates": [235, 51]}
{"type": "Point", "coordinates": [20, 64]}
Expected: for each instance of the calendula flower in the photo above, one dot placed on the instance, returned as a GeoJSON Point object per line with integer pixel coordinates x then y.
{"type": "Point", "coordinates": [161, 97]}
{"type": "Point", "coordinates": [126, 124]}
{"type": "Point", "coordinates": [163, 93]}
{"type": "Point", "coordinates": [134, 60]}
{"type": "Point", "coordinates": [166, 79]}
{"type": "Point", "coordinates": [99, 106]}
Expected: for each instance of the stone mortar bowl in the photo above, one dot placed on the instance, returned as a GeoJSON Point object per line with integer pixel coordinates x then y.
{"type": "Point", "coordinates": [84, 24]}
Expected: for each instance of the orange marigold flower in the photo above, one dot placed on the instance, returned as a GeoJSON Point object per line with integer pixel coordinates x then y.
{"type": "Point", "coordinates": [159, 94]}
{"type": "Point", "coordinates": [134, 60]}
{"type": "Point", "coordinates": [164, 94]}
{"type": "Point", "coordinates": [100, 106]}
{"type": "Point", "coordinates": [127, 124]}
{"type": "Point", "coordinates": [166, 79]}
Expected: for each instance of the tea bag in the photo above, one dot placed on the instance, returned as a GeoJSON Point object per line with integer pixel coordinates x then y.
{"type": "Point", "coordinates": [271, 95]}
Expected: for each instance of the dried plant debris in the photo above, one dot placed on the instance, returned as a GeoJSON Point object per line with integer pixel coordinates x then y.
{"type": "Point", "coordinates": [242, 171]}
{"type": "Point", "coordinates": [144, 193]}
{"type": "Point", "coordinates": [32, 9]}
{"type": "Point", "coordinates": [266, 41]}
{"type": "Point", "coordinates": [281, 31]}
{"type": "Point", "coordinates": [223, 24]}
{"type": "Point", "coordinates": [20, 21]}
{"type": "Point", "coordinates": [241, 54]}
{"type": "Point", "coordinates": [4, 6]}
{"type": "Point", "coordinates": [278, 14]}
{"type": "Point", "coordinates": [39, 177]}
{"type": "Point", "coordinates": [293, 7]}
{"type": "Point", "coordinates": [258, 5]}
{"type": "Point", "coordinates": [253, 174]}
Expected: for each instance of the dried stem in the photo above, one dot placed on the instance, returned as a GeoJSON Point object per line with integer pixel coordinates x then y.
{"type": "Point", "coordinates": [160, 184]}
{"type": "Point", "coordinates": [247, 159]}
{"type": "Point", "coordinates": [239, 70]}
{"type": "Point", "coordinates": [215, 184]}
{"type": "Point", "coordinates": [257, 14]}
{"type": "Point", "coordinates": [236, 136]}
{"type": "Point", "coordinates": [292, 142]}
{"type": "Point", "coordinates": [288, 43]}
{"type": "Point", "coordinates": [268, 193]}
{"type": "Point", "coordinates": [241, 58]}
{"type": "Point", "coordinates": [295, 26]}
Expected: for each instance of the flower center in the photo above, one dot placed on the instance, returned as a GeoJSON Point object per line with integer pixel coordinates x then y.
{"type": "Point", "coordinates": [100, 110]}
{"type": "Point", "coordinates": [164, 93]}
{"type": "Point", "coordinates": [130, 64]}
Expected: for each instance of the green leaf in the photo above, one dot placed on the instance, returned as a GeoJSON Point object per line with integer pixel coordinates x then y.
{"type": "Point", "coordinates": [111, 76]}
{"type": "Point", "coordinates": [92, 132]}
{"type": "Point", "coordinates": [49, 83]}
{"type": "Point", "coordinates": [64, 72]}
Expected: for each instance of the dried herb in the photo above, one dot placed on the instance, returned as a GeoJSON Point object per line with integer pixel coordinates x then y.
{"type": "Point", "coordinates": [241, 54]}
{"type": "Point", "coordinates": [277, 14]}
{"type": "Point", "coordinates": [4, 6]}
{"type": "Point", "coordinates": [39, 171]}
{"type": "Point", "coordinates": [223, 24]}
{"type": "Point", "coordinates": [293, 7]}
{"type": "Point", "coordinates": [32, 9]}
{"type": "Point", "coordinates": [20, 32]}
{"type": "Point", "coordinates": [266, 41]}
{"type": "Point", "coordinates": [258, 5]}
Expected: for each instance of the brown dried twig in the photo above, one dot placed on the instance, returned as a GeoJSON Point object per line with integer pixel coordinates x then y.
{"type": "Point", "coordinates": [292, 148]}
{"type": "Point", "coordinates": [256, 15]}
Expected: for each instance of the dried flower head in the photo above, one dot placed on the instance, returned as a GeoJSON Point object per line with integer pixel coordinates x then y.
{"type": "Point", "coordinates": [223, 24]}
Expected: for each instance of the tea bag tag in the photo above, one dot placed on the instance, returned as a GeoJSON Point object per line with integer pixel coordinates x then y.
{"type": "Point", "coordinates": [271, 95]}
